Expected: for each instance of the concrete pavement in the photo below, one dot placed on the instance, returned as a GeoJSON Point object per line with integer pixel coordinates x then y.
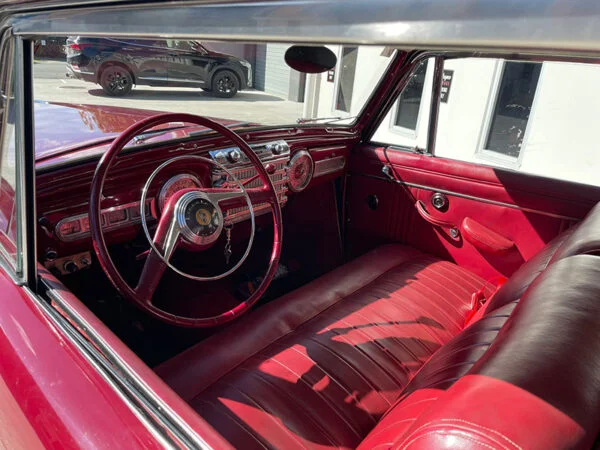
{"type": "Point", "coordinates": [51, 84]}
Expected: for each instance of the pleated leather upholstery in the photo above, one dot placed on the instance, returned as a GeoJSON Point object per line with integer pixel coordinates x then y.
{"type": "Point", "coordinates": [345, 352]}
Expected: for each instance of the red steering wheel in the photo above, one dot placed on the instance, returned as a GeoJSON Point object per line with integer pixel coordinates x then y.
{"type": "Point", "coordinates": [172, 229]}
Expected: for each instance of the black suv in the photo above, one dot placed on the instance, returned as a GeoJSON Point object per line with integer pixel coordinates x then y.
{"type": "Point", "coordinates": [119, 64]}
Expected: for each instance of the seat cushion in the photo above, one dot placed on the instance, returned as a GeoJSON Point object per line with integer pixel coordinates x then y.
{"type": "Point", "coordinates": [321, 365]}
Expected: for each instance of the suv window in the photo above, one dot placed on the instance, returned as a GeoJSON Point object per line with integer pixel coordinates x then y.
{"type": "Point", "coordinates": [187, 46]}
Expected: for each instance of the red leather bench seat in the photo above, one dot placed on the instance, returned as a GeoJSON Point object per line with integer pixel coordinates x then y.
{"type": "Point", "coordinates": [376, 354]}
{"type": "Point", "coordinates": [321, 365]}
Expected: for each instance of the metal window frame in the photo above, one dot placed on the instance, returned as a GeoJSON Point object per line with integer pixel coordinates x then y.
{"type": "Point", "coordinates": [22, 268]}
{"type": "Point", "coordinates": [408, 132]}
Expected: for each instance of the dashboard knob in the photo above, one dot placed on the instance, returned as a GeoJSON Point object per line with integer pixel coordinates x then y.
{"type": "Point", "coordinates": [234, 155]}
{"type": "Point", "coordinates": [70, 267]}
{"type": "Point", "coordinates": [278, 149]}
{"type": "Point", "coordinates": [221, 157]}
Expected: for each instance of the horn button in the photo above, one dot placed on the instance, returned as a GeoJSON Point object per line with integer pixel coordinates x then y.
{"type": "Point", "coordinates": [200, 220]}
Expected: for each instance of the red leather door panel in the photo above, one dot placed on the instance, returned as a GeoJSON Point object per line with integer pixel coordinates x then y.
{"type": "Point", "coordinates": [515, 208]}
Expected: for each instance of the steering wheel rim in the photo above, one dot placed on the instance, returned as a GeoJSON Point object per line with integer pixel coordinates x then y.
{"type": "Point", "coordinates": [141, 295]}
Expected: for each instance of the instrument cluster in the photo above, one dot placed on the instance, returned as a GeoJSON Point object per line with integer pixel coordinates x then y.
{"type": "Point", "coordinates": [286, 172]}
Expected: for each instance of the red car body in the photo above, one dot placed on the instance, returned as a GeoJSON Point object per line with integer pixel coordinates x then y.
{"type": "Point", "coordinates": [67, 381]}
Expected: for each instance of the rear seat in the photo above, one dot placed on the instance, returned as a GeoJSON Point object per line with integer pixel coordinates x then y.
{"type": "Point", "coordinates": [527, 374]}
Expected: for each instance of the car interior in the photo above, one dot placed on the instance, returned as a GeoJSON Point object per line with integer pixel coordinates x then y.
{"type": "Point", "coordinates": [308, 286]}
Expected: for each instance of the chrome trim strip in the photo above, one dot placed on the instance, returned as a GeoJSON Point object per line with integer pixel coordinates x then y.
{"type": "Point", "coordinates": [438, 70]}
{"type": "Point", "coordinates": [485, 24]}
{"type": "Point", "coordinates": [20, 199]}
{"type": "Point", "coordinates": [469, 197]}
{"type": "Point", "coordinates": [330, 165]}
{"type": "Point", "coordinates": [166, 79]}
{"type": "Point", "coordinates": [153, 78]}
{"type": "Point", "coordinates": [94, 350]}
{"type": "Point", "coordinates": [105, 227]}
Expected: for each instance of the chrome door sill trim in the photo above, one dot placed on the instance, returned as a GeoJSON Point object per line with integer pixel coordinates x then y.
{"type": "Point", "coordinates": [469, 197]}
{"type": "Point", "coordinates": [161, 420]}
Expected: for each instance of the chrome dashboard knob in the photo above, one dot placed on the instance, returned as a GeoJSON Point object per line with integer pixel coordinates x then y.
{"type": "Point", "coordinates": [234, 155]}
{"type": "Point", "coordinates": [277, 149]}
{"type": "Point", "coordinates": [221, 157]}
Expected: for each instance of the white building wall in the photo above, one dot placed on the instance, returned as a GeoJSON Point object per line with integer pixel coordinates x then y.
{"type": "Point", "coordinates": [370, 66]}
{"type": "Point", "coordinates": [561, 136]}
{"type": "Point", "coordinates": [562, 140]}
{"type": "Point", "coordinates": [460, 121]}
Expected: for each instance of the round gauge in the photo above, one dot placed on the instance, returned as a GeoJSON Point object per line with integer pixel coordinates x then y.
{"type": "Point", "coordinates": [177, 183]}
{"type": "Point", "coordinates": [300, 171]}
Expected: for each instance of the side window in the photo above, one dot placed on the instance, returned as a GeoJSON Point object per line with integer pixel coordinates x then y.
{"type": "Point", "coordinates": [409, 104]}
{"type": "Point", "coordinates": [532, 117]}
{"type": "Point", "coordinates": [10, 245]}
{"type": "Point", "coordinates": [407, 122]}
{"type": "Point", "coordinates": [345, 80]}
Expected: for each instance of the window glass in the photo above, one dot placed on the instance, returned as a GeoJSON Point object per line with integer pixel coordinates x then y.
{"type": "Point", "coordinates": [409, 103]}
{"type": "Point", "coordinates": [10, 243]}
{"type": "Point", "coordinates": [407, 122]}
{"type": "Point", "coordinates": [235, 82]}
{"type": "Point", "coordinates": [346, 78]}
{"type": "Point", "coordinates": [537, 118]}
{"type": "Point", "coordinates": [187, 46]}
{"type": "Point", "coordinates": [513, 107]}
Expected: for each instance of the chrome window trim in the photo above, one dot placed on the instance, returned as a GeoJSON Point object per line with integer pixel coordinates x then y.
{"type": "Point", "coordinates": [20, 160]}
{"type": "Point", "coordinates": [120, 376]}
{"type": "Point", "coordinates": [485, 24]}
{"type": "Point", "coordinates": [466, 196]}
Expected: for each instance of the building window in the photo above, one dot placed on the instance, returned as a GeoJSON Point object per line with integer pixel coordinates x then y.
{"type": "Point", "coordinates": [511, 112]}
{"type": "Point", "coordinates": [409, 102]}
{"type": "Point", "coordinates": [347, 70]}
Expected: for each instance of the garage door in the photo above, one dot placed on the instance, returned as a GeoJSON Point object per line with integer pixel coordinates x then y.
{"type": "Point", "coordinates": [272, 73]}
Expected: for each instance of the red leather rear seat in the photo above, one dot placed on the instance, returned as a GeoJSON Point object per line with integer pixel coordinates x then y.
{"type": "Point", "coordinates": [320, 366]}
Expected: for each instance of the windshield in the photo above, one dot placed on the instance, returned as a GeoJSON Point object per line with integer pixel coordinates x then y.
{"type": "Point", "coordinates": [92, 88]}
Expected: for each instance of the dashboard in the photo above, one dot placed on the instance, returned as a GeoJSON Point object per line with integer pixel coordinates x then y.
{"type": "Point", "coordinates": [291, 169]}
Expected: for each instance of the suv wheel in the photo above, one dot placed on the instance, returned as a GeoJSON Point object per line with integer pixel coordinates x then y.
{"type": "Point", "coordinates": [225, 84]}
{"type": "Point", "coordinates": [116, 81]}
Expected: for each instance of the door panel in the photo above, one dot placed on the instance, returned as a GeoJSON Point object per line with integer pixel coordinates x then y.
{"type": "Point", "coordinates": [525, 210]}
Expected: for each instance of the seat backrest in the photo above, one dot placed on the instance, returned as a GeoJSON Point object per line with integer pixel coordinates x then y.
{"type": "Point", "coordinates": [583, 238]}
{"type": "Point", "coordinates": [536, 386]}
{"type": "Point", "coordinates": [457, 357]}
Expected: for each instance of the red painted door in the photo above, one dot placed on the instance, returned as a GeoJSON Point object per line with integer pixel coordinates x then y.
{"type": "Point", "coordinates": [493, 219]}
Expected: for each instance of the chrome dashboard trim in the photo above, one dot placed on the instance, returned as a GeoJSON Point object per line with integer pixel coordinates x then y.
{"type": "Point", "coordinates": [466, 196]}
{"type": "Point", "coordinates": [105, 225]}
{"type": "Point", "coordinates": [329, 165]}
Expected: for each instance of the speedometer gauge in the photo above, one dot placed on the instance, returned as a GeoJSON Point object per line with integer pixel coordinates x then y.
{"type": "Point", "coordinates": [177, 183]}
{"type": "Point", "coordinates": [300, 171]}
